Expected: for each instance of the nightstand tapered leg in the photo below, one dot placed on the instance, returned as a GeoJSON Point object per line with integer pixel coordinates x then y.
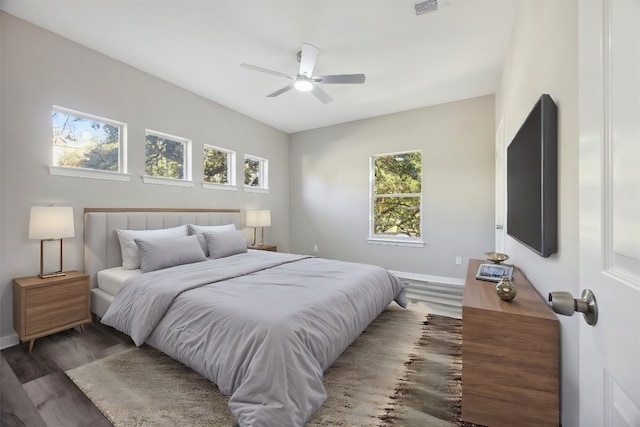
{"type": "Point", "coordinates": [31, 343]}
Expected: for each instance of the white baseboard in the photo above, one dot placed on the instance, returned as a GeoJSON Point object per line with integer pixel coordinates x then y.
{"type": "Point", "coordinates": [428, 278]}
{"type": "Point", "coordinates": [9, 341]}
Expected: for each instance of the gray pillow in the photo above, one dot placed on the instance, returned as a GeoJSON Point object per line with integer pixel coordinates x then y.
{"type": "Point", "coordinates": [225, 243]}
{"type": "Point", "coordinates": [130, 253]}
{"type": "Point", "coordinates": [199, 231]}
{"type": "Point", "coordinates": [156, 254]}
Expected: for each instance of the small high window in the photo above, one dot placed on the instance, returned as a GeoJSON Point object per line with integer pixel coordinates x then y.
{"type": "Point", "coordinates": [167, 156]}
{"type": "Point", "coordinates": [219, 166]}
{"type": "Point", "coordinates": [255, 172]}
{"type": "Point", "coordinates": [85, 141]}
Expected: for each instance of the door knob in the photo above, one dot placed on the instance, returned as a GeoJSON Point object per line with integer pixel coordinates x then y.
{"type": "Point", "coordinates": [564, 303]}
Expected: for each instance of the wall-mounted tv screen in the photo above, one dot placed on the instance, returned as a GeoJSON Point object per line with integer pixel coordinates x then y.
{"type": "Point", "coordinates": [532, 180]}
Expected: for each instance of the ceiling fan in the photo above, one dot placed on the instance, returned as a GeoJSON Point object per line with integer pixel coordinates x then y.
{"type": "Point", "coordinates": [304, 80]}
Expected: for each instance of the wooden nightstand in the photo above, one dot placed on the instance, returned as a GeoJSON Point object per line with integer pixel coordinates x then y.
{"type": "Point", "coordinates": [45, 306]}
{"type": "Point", "coordinates": [272, 248]}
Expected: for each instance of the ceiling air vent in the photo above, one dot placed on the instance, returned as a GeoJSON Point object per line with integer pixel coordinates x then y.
{"type": "Point", "coordinates": [426, 6]}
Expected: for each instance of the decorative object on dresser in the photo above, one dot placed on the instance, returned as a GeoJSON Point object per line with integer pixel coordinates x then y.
{"type": "Point", "coordinates": [496, 257]}
{"type": "Point", "coordinates": [510, 356]}
{"type": "Point", "coordinates": [50, 223]}
{"type": "Point", "coordinates": [258, 218]}
{"type": "Point", "coordinates": [272, 248]}
{"type": "Point", "coordinates": [506, 289]}
{"type": "Point", "coordinates": [45, 306]}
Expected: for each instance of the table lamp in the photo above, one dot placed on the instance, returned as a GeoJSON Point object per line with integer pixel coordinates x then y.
{"type": "Point", "coordinates": [258, 218]}
{"type": "Point", "coordinates": [50, 223]}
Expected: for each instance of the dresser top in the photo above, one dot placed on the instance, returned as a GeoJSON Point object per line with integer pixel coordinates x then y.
{"type": "Point", "coordinates": [37, 281]}
{"type": "Point", "coordinates": [480, 294]}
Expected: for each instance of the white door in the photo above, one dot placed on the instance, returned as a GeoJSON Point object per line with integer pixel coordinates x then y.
{"type": "Point", "coordinates": [501, 194]}
{"type": "Point", "coordinates": [609, 103]}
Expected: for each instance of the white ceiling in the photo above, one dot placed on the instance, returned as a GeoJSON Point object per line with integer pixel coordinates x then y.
{"type": "Point", "coordinates": [410, 61]}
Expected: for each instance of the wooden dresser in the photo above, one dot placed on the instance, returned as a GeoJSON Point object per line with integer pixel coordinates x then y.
{"type": "Point", "coordinates": [46, 306]}
{"type": "Point", "coordinates": [510, 355]}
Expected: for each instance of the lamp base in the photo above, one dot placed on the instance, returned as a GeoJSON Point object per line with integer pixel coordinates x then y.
{"type": "Point", "coordinates": [52, 274]}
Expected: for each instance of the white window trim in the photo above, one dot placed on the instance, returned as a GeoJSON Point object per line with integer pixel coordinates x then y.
{"type": "Point", "coordinates": [263, 179]}
{"type": "Point", "coordinates": [249, 189]}
{"type": "Point", "coordinates": [231, 170]}
{"type": "Point", "coordinates": [96, 173]}
{"type": "Point", "coordinates": [88, 173]}
{"type": "Point", "coordinates": [215, 186]}
{"type": "Point", "coordinates": [378, 239]}
{"type": "Point", "coordinates": [166, 181]}
{"type": "Point", "coordinates": [394, 241]}
{"type": "Point", "coordinates": [186, 165]}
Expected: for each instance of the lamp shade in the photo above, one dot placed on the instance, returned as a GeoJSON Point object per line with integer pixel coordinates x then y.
{"type": "Point", "coordinates": [51, 222]}
{"type": "Point", "coordinates": [258, 218]}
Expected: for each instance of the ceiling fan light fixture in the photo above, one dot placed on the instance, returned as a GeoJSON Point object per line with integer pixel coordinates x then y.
{"type": "Point", "coordinates": [303, 85]}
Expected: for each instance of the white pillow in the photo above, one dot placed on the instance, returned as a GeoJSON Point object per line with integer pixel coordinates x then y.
{"type": "Point", "coordinates": [225, 243]}
{"type": "Point", "coordinates": [199, 231]}
{"type": "Point", "coordinates": [129, 249]}
{"type": "Point", "coordinates": [156, 254]}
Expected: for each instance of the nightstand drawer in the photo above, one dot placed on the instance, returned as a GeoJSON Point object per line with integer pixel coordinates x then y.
{"type": "Point", "coordinates": [62, 291]}
{"type": "Point", "coordinates": [53, 314]}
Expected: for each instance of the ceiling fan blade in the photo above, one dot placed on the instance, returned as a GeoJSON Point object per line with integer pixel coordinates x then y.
{"type": "Point", "coordinates": [308, 58]}
{"type": "Point", "coordinates": [281, 91]}
{"type": "Point", "coordinates": [340, 79]}
{"type": "Point", "coordinates": [265, 70]}
{"type": "Point", "coordinates": [323, 96]}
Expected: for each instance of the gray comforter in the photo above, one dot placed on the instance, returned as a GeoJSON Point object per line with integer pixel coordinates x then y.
{"type": "Point", "coordinates": [262, 326]}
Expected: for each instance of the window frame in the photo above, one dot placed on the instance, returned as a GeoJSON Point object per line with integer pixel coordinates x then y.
{"type": "Point", "coordinates": [231, 169]}
{"type": "Point", "coordinates": [263, 174]}
{"type": "Point", "coordinates": [185, 181]}
{"type": "Point", "coordinates": [78, 172]}
{"type": "Point", "coordinates": [393, 240]}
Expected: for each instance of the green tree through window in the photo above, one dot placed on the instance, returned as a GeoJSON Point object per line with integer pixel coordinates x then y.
{"type": "Point", "coordinates": [255, 172]}
{"type": "Point", "coordinates": [397, 194]}
{"type": "Point", "coordinates": [164, 157]}
{"type": "Point", "coordinates": [251, 172]}
{"type": "Point", "coordinates": [217, 165]}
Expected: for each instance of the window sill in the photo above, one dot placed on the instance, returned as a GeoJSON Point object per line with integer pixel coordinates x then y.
{"type": "Point", "coordinates": [214, 186]}
{"type": "Point", "coordinates": [256, 190]}
{"type": "Point", "coordinates": [396, 242]}
{"type": "Point", "coordinates": [166, 181]}
{"type": "Point", "coordinates": [88, 173]}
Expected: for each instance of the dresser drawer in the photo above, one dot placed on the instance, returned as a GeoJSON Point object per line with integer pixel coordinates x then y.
{"type": "Point", "coordinates": [51, 315]}
{"type": "Point", "coordinates": [63, 291]}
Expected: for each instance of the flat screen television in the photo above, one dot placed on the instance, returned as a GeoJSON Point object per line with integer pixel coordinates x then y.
{"type": "Point", "coordinates": [532, 180]}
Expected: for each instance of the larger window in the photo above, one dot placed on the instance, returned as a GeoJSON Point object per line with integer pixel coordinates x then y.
{"type": "Point", "coordinates": [396, 197]}
{"type": "Point", "coordinates": [167, 156]}
{"type": "Point", "coordinates": [85, 141]}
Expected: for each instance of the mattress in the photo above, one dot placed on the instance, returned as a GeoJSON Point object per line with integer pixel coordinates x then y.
{"type": "Point", "coordinates": [111, 279]}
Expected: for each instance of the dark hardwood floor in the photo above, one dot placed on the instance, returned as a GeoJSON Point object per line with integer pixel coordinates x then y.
{"type": "Point", "coordinates": [34, 390]}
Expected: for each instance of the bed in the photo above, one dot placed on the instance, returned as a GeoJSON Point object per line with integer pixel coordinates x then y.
{"type": "Point", "coordinates": [262, 326]}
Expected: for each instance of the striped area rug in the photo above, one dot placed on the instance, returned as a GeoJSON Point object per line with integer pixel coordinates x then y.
{"type": "Point", "coordinates": [403, 371]}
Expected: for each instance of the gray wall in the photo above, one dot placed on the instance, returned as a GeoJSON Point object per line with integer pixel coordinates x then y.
{"type": "Point", "coordinates": [40, 69]}
{"type": "Point", "coordinates": [543, 58]}
{"type": "Point", "coordinates": [329, 182]}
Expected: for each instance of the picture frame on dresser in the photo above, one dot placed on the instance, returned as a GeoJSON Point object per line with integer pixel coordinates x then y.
{"type": "Point", "coordinates": [494, 272]}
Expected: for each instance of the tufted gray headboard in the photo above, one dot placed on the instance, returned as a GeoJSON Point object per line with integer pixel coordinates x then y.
{"type": "Point", "coordinates": [101, 245]}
